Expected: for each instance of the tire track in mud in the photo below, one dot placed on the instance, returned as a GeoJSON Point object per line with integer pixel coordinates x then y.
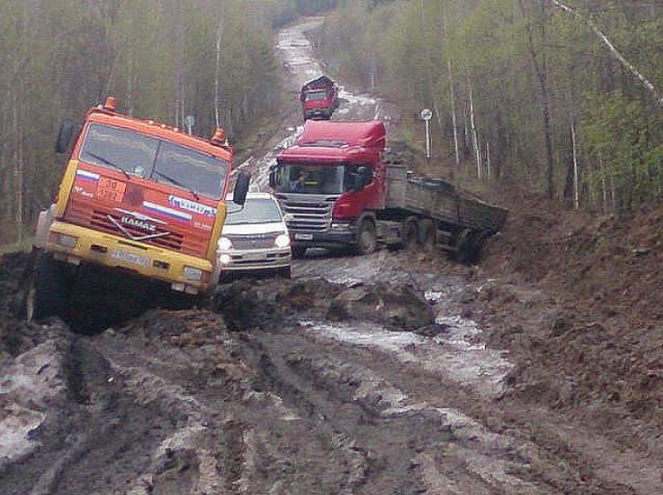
{"type": "Point", "coordinates": [406, 428]}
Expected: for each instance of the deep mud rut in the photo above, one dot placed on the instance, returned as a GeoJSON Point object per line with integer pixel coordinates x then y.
{"type": "Point", "coordinates": [362, 375]}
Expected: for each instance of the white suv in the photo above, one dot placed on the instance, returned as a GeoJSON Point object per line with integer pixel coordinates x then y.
{"type": "Point", "coordinates": [255, 239]}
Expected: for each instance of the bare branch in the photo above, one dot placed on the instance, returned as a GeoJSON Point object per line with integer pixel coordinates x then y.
{"type": "Point", "coordinates": [616, 53]}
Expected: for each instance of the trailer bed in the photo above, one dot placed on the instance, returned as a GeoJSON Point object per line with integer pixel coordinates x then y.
{"type": "Point", "coordinates": [442, 201]}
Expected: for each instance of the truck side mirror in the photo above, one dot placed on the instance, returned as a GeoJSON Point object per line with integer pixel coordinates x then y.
{"type": "Point", "coordinates": [241, 188]}
{"type": "Point", "coordinates": [272, 178]}
{"type": "Point", "coordinates": [65, 135]}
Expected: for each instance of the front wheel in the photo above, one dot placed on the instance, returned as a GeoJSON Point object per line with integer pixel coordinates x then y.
{"type": "Point", "coordinates": [366, 238]}
{"type": "Point", "coordinates": [48, 291]}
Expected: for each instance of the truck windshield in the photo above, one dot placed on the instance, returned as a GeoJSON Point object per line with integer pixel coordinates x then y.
{"type": "Point", "coordinates": [311, 179]}
{"type": "Point", "coordinates": [154, 159]}
{"type": "Point", "coordinates": [256, 210]}
{"type": "Point", "coordinates": [316, 95]}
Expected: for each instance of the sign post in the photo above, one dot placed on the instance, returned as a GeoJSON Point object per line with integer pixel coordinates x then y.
{"type": "Point", "coordinates": [189, 122]}
{"type": "Point", "coordinates": [426, 116]}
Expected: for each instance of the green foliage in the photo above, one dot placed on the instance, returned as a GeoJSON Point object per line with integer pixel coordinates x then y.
{"type": "Point", "coordinates": [158, 57]}
{"type": "Point", "coordinates": [419, 50]}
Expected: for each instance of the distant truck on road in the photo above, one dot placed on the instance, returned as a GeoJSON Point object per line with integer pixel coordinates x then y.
{"type": "Point", "coordinates": [136, 197]}
{"type": "Point", "coordinates": [319, 98]}
{"type": "Point", "coordinates": [340, 188]}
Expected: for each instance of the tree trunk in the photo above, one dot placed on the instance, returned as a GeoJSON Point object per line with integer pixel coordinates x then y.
{"type": "Point", "coordinates": [217, 77]}
{"type": "Point", "coordinates": [576, 187]}
{"type": "Point", "coordinates": [454, 117]}
{"type": "Point", "coordinates": [541, 70]}
{"type": "Point", "coordinates": [475, 133]}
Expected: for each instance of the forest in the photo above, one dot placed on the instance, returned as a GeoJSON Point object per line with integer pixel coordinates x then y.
{"type": "Point", "coordinates": [554, 97]}
{"type": "Point", "coordinates": [161, 59]}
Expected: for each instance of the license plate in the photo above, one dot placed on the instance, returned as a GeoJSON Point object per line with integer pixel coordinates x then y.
{"type": "Point", "coordinates": [134, 259]}
{"type": "Point", "coordinates": [111, 190]}
{"type": "Point", "coordinates": [304, 237]}
{"type": "Point", "coordinates": [254, 256]}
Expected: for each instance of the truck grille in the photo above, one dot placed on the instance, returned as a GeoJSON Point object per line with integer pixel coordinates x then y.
{"type": "Point", "coordinates": [312, 216]}
{"type": "Point", "coordinates": [101, 221]}
{"type": "Point", "coordinates": [188, 242]}
{"type": "Point", "coordinates": [253, 241]}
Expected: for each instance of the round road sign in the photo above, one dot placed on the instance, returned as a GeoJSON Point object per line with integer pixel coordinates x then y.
{"type": "Point", "coordinates": [426, 114]}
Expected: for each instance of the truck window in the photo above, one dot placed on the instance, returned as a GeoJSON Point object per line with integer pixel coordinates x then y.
{"type": "Point", "coordinates": [311, 179]}
{"type": "Point", "coordinates": [256, 210]}
{"type": "Point", "coordinates": [154, 159]}
{"type": "Point", "coordinates": [118, 148]}
{"type": "Point", "coordinates": [201, 173]}
{"type": "Point", "coordinates": [316, 95]}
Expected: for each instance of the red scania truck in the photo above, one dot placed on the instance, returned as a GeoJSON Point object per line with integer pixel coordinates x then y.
{"type": "Point", "coordinates": [137, 196]}
{"type": "Point", "coordinates": [341, 187]}
{"type": "Point", "coordinates": [319, 98]}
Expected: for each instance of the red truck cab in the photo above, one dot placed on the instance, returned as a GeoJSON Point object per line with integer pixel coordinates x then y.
{"type": "Point", "coordinates": [319, 98]}
{"type": "Point", "coordinates": [332, 184]}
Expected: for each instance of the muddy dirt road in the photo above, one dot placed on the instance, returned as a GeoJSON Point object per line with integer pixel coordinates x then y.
{"type": "Point", "coordinates": [362, 375]}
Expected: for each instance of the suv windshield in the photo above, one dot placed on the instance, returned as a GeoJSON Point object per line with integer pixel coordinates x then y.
{"type": "Point", "coordinates": [154, 159]}
{"type": "Point", "coordinates": [256, 210]}
{"type": "Point", "coordinates": [312, 179]}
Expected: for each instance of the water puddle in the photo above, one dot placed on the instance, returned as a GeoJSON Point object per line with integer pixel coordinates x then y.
{"type": "Point", "coordinates": [454, 354]}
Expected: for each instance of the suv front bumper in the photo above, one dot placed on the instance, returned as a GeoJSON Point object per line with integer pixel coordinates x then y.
{"type": "Point", "coordinates": [249, 260]}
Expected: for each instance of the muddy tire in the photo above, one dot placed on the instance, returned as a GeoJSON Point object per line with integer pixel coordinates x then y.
{"type": "Point", "coordinates": [48, 291]}
{"type": "Point", "coordinates": [469, 245]}
{"type": "Point", "coordinates": [298, 252]}
{"type": "Point", "coordinates": [410, 233]}
{"type": "Point", "coordinates": [427, 234]}
{"type": "Point", "coordinates": [366, 238]}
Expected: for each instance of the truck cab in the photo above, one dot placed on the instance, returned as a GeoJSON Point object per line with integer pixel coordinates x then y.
{"type": "Point", "coordinates": [331, 183]}
{"type": "Point", "coordinates": [319, 98]}
{"type": "Point", "coordinates": [136, 196]}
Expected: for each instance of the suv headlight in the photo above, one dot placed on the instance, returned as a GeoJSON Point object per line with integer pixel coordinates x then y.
{"type": "Point", "coordinates": [225, 244]}
{"type": "Point", "coordinates": [282, 241]}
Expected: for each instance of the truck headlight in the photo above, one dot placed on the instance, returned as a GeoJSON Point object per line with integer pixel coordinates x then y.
{"type": "Point", "coordinates": [225, 244]}
{"type": "Point", "coordinates": [225, 259]}
{"type": "Point", "coordinates": [193, 274]}
{"type": "Point", "coordinates": [282, 241]}
{"type": "Point", "coordinates": [68, 241]}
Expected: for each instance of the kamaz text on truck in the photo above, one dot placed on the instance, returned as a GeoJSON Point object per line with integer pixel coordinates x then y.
{"type": "Point", "coordinates": [136, 196]}
{"type": "Point", "coordinates": [340, 188]}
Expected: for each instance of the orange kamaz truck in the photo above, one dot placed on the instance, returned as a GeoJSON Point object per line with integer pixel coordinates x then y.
{"type": "Point", "coordinates": [137, 197]}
